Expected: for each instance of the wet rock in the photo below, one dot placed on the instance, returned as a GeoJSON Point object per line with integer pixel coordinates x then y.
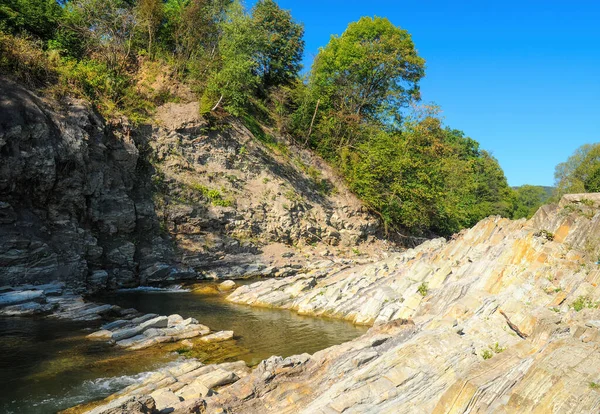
{"type": "Point", "coordinates": [142, 404]}
{"type": "Point", "coordinates": [218, 337]}
{"type": "Point", "coordinates": [227, 285]}
{"type": "Point", "coordinates": [15, 298]}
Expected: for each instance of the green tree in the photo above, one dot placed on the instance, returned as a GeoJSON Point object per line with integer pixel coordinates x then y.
{"type": "Point", "coordinates": [580, 173]}
{"type": "Point", "coordinates": [527, 199]}
{"type": "Point", "coordinates": [371, 70]}
{"type": "Point", "coordinates": [106, 29]}
{"type": "Point", "coordinates": [279, 45]}
{"type": "Point", "coordinates": [234, 82]}
{"type": "Point", "coordinates": [426, 178]}
{"type": "Point", "coordinates": [39, 18]}
{"type": "Point", "coordinates": [149, 15]}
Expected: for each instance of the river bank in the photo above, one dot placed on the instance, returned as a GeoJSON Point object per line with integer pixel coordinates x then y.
{"type": "Point", "coordinates": [50, 365]}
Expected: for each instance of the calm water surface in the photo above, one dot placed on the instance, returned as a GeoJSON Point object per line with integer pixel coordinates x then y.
{"type": "Point", "coordinates": [47, 365]}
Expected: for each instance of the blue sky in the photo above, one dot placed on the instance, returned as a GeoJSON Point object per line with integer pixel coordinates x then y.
{"type": "Point", "coordinates": [520, 77]}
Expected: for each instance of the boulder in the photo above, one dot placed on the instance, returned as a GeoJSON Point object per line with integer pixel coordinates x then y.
{"type": "Point", "coordinates": [164, 399]}
{"type": "Point", "coordinates": [227, 285]}
{"type": "Point", "coordinates": [137, 404]}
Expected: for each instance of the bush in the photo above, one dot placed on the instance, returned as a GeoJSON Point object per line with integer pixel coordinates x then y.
{"type": "Point", "coordinates": [583, 302]}
{"type": "Point", "coordinates": [24, 59]}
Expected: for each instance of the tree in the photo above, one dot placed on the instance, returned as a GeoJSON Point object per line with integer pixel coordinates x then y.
{"type": "Point", "coordinates": [39, 18]}
{"type": "Point", "coordinates": [279, 45]}
{"type": "Point", "coordinates": [425, 178]}
{"type": "Point", "coordinates": [234, 81]}
{"type": "Point", "coordinates": [105, 27]}
{"type": "Point", "coordinates": [371, 70]}
{"type": "Point", "coordinates": [149, 15]}
{"type": "Point", "coordinates": [527, 199]}
{"type": "Point", "coordinates": [580, 173]}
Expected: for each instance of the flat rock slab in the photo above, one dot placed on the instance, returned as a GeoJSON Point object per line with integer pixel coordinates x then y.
{"type": "Point", "coordinates": [218, 337]}
{"type": "Point", "coordinates": [15, 298]}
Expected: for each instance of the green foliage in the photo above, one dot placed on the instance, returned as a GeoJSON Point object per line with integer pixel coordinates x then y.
{"type": "Point", "coordinates": [487, 354]}
{"type": "Point", "coordinates": [371, 70]}
{"type": "Point", "coordinates": [24, 59]}
{"type": "Point", "coordinates": [235, 81]}
{"type": "Point", "coordinates": [493, 349]}
{"type": "Point", "coordinates": [423, 289]}
{"type": "Point", "coordinates": [580, 173]}
{"type": "Point", "coordinates": [213, 195]}
{"type": "Point", "coordinates": [38, 18]}
{"type": "Point", "coordinates": [497, 348]}
{"type": "Point", "coordinates": [279, 45]}
{"type": "Point", "coordinates": [594, 385]}
{"type": "Point", "coordinates": [583, 302]}
{"type": "Point", "coordinates": [527, 199]}
{"type": "Point", "coordinates": [105, 29]}
{"type": "Point", "coordinates": [426, 177]}
{"type": "Point", "coordinates": [149, 14]}
{"type": "Point", "coordinates": [545, 234]}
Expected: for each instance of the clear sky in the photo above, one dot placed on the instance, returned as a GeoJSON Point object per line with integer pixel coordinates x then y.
{"type": "Point", "coordinates": [520, 77]}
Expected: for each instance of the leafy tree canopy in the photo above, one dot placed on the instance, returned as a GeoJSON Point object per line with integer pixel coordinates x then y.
{"type": "Point", "coordinates": [580, 173]}
{"type": "Point", "coordinates": [371, 70]}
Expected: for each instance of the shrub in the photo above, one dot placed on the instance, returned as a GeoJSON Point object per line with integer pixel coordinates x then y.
{"type": "Point", "coordinates": [24, 59]}
{"type": "Point", "coordinates": [583, 302]}
{"type": "Point", "coordinates": [423, 289]}
{"type": "Point", "coordinates": [544, 234]}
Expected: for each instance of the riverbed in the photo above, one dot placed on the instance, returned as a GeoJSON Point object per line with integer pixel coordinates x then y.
{"type": "Point", "coordinates": [48, 365]}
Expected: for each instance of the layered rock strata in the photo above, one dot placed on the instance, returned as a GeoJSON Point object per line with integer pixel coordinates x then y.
{"type": "Point", "coordinates": [503, 318]}
{"type": "Point", "coordinates": [177, 388]}
{"type": "Point", "coordinates": [151, 329]}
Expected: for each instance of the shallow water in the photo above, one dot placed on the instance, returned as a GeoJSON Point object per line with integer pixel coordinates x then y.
{"type": "Point", "coordinates": [264, 332]}
{"type": "Point", "coordinates": [47, 365]}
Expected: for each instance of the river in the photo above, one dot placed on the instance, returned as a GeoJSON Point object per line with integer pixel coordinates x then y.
{"type": "Point", "coordinates": [47, 365]}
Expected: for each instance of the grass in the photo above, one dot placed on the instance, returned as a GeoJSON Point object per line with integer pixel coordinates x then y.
{"type": "Point", "coordinates": [268, 140]}
{"type": "Point", "coordinates": [583, 302]}
{"type": "Point", "coordinates": [493, 349]}
{"type": "Point", "coordinates": [487, 354]}
{"type": "Point", "coordinates": [292, 196]}
{"type": "Point", "coordinates": [213, 195]}
{"type": "Point", "coordinates": [594, 385]}
{"type": "Point", "coordinates": [544, 234]}
{"type": "Point", "coordinates": [423, 289]}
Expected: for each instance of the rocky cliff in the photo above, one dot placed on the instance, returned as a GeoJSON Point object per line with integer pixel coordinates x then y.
{"type": "Point", "coordinates": [107, 205]}
{"type": "Point", "coordinates": [503, 318]}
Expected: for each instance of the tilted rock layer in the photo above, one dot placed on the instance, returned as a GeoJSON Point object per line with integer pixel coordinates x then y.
{"type": "Point", "coordinates": [503, 318]}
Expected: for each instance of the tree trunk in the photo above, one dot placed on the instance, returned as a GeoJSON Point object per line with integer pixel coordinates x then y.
{"type": "Point", "coordinates": [312, 122]}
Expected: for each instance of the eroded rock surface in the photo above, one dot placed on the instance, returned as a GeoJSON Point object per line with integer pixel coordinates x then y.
{"type": "Point", "coordinates": [151, 329]}
{"type": "Point", "coordinates": [103, 206]}
{"type": "Point", "coordinates": [177, 388]}
{"type": "Point", "coordinates": [503, 318]}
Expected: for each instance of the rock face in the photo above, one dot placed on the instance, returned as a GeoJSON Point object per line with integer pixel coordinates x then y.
{"type": "Point", "coordinates": [102, 206]}
{"type": "Point", "coordinates": [72, 198]}
{"type": "Point", "coordinates": [225, 193]}
{"type": "Point", "coordinates": [503, 318]}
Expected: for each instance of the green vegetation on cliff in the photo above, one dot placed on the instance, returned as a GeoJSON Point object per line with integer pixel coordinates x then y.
{"type": "Point", "coordinates": [358, 107]}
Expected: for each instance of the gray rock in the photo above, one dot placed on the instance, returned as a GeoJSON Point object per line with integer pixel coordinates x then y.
{"type": "Point", "coordinates": [137, 404]}
{"type": "Point", "coordinates": [15, 298]}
